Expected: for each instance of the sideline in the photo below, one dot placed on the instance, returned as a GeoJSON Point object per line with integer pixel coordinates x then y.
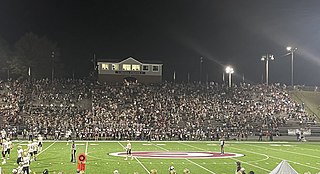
{"type": "Point", "coordinates": [196, 142]}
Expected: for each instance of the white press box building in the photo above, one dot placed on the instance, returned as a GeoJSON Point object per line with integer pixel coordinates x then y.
{"type": "Point", "coordinates": [113, 71]}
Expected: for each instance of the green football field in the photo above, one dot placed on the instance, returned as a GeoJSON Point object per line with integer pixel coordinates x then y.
{"type": "Point", "coordinates": [260, 157]}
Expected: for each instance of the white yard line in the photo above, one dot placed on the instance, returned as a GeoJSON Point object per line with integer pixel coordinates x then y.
{"type": "Point", "coordinates": [302, 154]}
{"type": "Point", "coordinates": [121, 145]}
{"type": "Point", "coordinates": [46, 148]}
{"type": "Point", "coordinates": [186, 159]}
{"type": "Point", "coordinates": [284, 159]}
{"type": "Point", "coordinates": [195, 142]}
{"type": "Point", "coordinates": [86, 152]}
{"type": "Point", "coordinates": [136, 160]}
{"type": "Point", "coordinates": [303, 148]}
{"type": "Point", "coordinates": [142, 165]}
{"type": "Point", "coordinates": [159, 147]}
{"type": "Point", "coordinates": [14, 144]}
{"type": "Point", "coordinates": [252, 165]}
{"type": "Point", "coordinates": [278, 158]}
{"type": "Point", "coordinates": [193, 146]}
{"type": "Point", "coordinates": [18, 143]}
{"type": "Point", "coordinates": [200, 166]}
{"type": "Point", "coordinates": [231, 158]}
{"type": "Point", "coordinates": [267, 157]}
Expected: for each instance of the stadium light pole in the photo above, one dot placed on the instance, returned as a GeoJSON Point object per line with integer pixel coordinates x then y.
{"type": "Point", "coordinates": [229, 71]}
{"type": "Point", "coordinates": [291, 51]}
{"type": "Point", "coordinates": [266, 59]}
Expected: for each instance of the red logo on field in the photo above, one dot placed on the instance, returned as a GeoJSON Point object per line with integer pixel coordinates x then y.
{"type": "Point", "coordinates": [178, 155]}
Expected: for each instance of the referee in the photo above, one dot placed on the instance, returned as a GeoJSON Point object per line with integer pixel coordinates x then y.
{"type": "Point", "coordinates": [73, 152]}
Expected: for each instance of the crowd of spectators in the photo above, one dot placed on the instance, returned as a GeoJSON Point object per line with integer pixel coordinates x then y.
{"type": "Point", "coordinates": [194, 111]}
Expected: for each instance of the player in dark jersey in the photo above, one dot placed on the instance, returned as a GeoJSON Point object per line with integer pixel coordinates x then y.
{"type": "Point", "coordinates": [221, 146]}
{"type": "Point", "coordinates": [73, 152]}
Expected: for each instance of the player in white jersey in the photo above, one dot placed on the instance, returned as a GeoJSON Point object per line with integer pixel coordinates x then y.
{"type": "Point", "coordinates": [26, 163]}
{"type": "Point", "coordinates": [20, 154]}
{"type": "Point", "coordinates": [128, 149]}
{"type": "Point", "coordinates": [4, 148]}
{"type": "Point", "coordinates": [40, 143]}
{"type": "Point", "coordinates": [9, 143]}
{"type": "Point", "coordinates": [30, 148]}
{"type": "Point", "coordinates": [35, 149]}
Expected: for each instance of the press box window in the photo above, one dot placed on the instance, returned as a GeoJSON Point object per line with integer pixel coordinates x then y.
{"type": "Point", "coordinates": [135, 67]}
{"type": "Point", "coordinates": [155, 68]}
{"type": "Point", "coordinates": [115, 67]}
{"type": "Point", "coordinates": [105, 66]}
{"type": "Point", "coordinates": [145, 68]}
{"type": "Point", "coordinates": [126, 67]}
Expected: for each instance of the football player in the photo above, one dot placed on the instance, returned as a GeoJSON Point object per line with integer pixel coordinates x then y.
{"type": "Point", "coordinates": [4, 148]}
{"type": "Point", "coordinates": [20, 154]}
{"type": "Point", "coordinates": [128, 149]}
{"type": "Point", "coordinates": [73, 152]}
{"type": "Point", "coordinates": [35, 149]}
{"type": "Point", "coordinates": [40, 143]}
{"type": "Point", "coordinates": [222, 146]}
{"type": "Point", "coordinates": [30, 149]}
{"type": "Point", "coordinates": [9, 144]}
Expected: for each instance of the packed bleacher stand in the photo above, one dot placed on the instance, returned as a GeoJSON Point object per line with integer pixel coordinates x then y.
{"type": "Point", "coordinates": [164, 111]}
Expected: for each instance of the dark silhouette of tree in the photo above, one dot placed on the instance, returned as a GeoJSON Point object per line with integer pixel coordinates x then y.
{"type": "Point", "coordinates": [34, 52]}
{"type": "Point", "coordinates": [4, 55]}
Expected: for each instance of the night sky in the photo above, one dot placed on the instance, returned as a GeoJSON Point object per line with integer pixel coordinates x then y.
{"type": "Point", "coordinates": [178, 33]}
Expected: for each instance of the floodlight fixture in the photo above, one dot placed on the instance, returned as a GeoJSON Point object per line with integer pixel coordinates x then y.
{"type": "Point", "coordinates": [266, 58]}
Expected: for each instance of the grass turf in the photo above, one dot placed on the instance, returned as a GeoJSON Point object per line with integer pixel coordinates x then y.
{"type": "Point", "coordinates": [259, 157]}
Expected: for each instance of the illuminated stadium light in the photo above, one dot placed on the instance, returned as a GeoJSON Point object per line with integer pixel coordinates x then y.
{"type": "Point", "coordinates": [230, 71]}
{"type": "Point", "coordinates": [266, 59]}
{"type": "Point", "coordinates": [291, 50]}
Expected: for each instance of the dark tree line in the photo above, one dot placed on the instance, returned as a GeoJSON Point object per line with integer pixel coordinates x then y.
{"type": "Point", "coordinates": [30, 51]}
